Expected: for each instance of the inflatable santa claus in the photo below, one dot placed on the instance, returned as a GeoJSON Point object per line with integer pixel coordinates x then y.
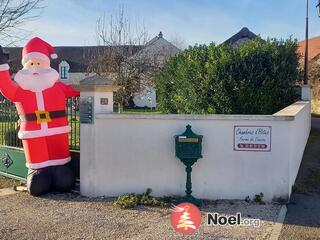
{"type": "Point", "coordinates": [40, 100]}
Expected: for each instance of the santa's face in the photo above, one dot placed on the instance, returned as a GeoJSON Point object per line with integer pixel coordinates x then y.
{"type": "Point", "coordinates": [36, 76]}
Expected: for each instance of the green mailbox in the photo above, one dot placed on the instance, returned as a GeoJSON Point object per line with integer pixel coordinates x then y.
{"type": "Point", "coordinates": [189, 150]}
{"type": "Point", "coordinates": [188, 145]}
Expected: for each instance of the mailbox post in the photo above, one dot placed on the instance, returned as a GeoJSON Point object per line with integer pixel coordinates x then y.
{"type": "Point", "coordinates": [189, 150]}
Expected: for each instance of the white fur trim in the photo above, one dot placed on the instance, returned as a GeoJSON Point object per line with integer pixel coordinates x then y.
{"type": "Point", "coordinates": [48, 163]}
{"type": "Point", "coordinates": [40, 101]}
{"type": "Point", "coordinates": [31, 55]}
{"type": "Point", "coordinates": [43, 132]}
{"type": "Point", "coordinates": [4, 67]}
{"type": "Point", "coordinates": [54, 56]}
{"type": "Point", "coordinates": [40, 106]}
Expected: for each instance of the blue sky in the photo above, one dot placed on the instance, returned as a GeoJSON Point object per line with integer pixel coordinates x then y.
{"type": "Point", "coordinates": [73, 22]}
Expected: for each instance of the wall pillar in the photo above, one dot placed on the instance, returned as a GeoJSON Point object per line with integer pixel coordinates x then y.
{"type": "Point", "coordinates": [96, 96]}
{"type": "Point", "coordinates": [306, 92]}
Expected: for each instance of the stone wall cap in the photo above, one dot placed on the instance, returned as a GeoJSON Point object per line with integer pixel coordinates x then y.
{"type": "Point", "coordinates": [194, 117]}
{"type": "Point", "coordinates": [97, 83]}
{"type": "Point", "coordinates": [96, 80]}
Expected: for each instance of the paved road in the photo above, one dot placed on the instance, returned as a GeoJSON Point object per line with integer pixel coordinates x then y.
{"type": "Point", "coordinates": [315, 123]}
{"type": "Point", "coordinates": [303, 216]}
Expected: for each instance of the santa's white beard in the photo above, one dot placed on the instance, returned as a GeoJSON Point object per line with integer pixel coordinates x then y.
{"type": "Point", "coordinates": [45, 78]}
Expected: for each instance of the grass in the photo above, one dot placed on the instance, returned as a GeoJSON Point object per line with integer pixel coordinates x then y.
{"type": "Point", "coordinates": [74, 135]}
{"type": "Point", "coordinates": [3, 127]}
{"type": "Point", "coordinates": [140, 111]}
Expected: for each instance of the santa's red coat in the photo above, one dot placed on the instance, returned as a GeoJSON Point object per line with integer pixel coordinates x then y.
{"type": "Point", "coordinates": [45, 144]}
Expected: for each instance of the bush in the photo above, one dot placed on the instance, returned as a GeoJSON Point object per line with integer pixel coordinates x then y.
{"type": "Point", "coordinates": [127, 201]}
{"type": "Point", "coordinates": [131, 200]}
{"type": "Point", "coordinates": [257, 78]}
{"type": "Point", "coordinates": [258, 198]}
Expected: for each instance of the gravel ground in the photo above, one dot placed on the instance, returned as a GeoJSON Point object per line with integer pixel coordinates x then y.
{"type": "Point", "coordinates": [7, 182]}
{"type": "Point", "coordinates": [69, 216]}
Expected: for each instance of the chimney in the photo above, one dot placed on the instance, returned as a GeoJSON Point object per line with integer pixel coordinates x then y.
{"type": "Point", "coordinates": [160, 35]}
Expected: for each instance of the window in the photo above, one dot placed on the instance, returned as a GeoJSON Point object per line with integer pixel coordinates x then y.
{"type": "Point", "coordinates": [63, 72]}
{"type": "Point", "coordinates": [64, 68]}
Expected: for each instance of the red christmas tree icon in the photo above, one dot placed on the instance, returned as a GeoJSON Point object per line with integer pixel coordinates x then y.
{"type": "Point", "coordinates": [184, 221]}
{"type": "Point", "coordinates": [185, 218]}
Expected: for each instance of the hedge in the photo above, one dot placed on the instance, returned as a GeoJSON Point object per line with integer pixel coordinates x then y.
{"type": "Point", "coordinates": [259, 77]}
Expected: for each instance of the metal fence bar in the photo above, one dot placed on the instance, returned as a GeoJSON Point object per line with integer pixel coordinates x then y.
{"type": "Point", "coordinates": [73, 116]}
{"type": "Point", "coordinates": [2, 119]}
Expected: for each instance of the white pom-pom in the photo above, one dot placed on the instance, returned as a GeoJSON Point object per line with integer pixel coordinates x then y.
{"type": "Point", "coordinates": [53, 55]}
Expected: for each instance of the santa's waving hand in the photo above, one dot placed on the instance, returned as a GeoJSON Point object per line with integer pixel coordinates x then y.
{"type": "Point", "coordinates": [40, 101]}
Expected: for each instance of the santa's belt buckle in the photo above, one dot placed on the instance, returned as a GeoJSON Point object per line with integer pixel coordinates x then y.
{"type": "Point", "coordinates": [42, 116]}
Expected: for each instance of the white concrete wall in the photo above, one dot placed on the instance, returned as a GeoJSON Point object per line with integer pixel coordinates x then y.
{"type": "Point", "coordinates": [298, 135]}
{"type": "Point", "coordinates": [129, 153]}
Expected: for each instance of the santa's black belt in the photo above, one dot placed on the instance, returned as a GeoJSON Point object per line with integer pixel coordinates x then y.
{"type": "Point", "coordinates": [43, 116]}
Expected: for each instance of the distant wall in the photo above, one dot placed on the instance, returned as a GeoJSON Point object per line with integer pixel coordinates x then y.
{"type": "Point", "coordinates": [128, 153]}
{"type": "Point", "coordinates": [146, 98]}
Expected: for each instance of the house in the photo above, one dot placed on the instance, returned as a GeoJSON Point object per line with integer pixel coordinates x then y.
{"type": "Point", "coordinates": [73, 62]}
{"type": "Point", "coordinates": [313, 50]}
{"type": "Point", "coordinates": [157, 51]}
{"type": "Point", "coordinates": [241, 37]}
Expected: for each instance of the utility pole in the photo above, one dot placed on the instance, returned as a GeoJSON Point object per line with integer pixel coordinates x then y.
{"type": "Point", "coordinates": [305, 78]}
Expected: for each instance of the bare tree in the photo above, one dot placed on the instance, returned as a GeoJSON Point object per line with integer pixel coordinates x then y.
{"type": "Point", "coordinates": [178, 41]}
{"type": "Point", "coordinates": [13, 14]}
{"type": "Point", "coordinates": [118, 30]}
{"type": "Point", "coordinates": [121, 38]}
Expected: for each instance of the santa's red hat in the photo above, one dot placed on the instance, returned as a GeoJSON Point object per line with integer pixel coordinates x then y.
{"type": "Point", "coordinates": [37, 48]}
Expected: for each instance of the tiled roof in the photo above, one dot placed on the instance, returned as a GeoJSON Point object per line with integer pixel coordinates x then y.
{"type": "Point", "coordinates": [78, 58]}
{"type": "Point", "coordinates": [243, 33]}
{"type": "Point", "coordinates": [96, 80]}
{"type": "Point", "coordinates": [313, 49]}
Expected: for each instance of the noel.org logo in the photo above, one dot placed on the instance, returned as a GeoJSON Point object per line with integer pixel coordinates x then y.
{"type": "Point", "coordinates": [185, 218]}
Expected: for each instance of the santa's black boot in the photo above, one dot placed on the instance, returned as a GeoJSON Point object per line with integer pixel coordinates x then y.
{"type": "Point", "coordinates": [63, 178]}
{"type": "Point", "coordinates": [39, 181]}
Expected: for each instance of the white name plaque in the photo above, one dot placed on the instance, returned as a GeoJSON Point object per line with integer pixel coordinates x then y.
{"type": "Point", "coordinates": [252, 138]}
